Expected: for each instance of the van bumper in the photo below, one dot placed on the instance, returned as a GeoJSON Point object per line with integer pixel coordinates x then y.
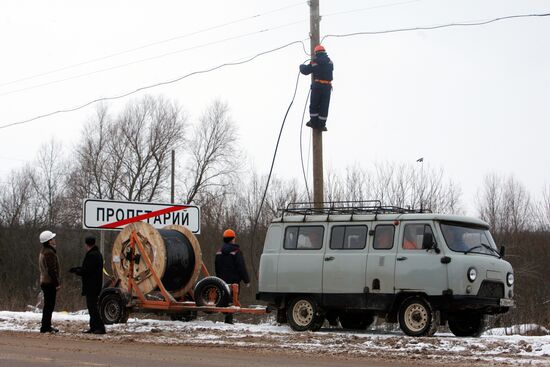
{"type": "Point", "coordinates": [489, 305]}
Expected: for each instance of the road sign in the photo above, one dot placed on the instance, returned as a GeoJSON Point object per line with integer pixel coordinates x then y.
{"type": "Point", "coordinates": [109, 214]}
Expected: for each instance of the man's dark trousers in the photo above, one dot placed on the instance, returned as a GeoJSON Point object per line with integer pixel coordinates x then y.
{"type": "Point", "coordinates": [95, 319]}
{"type": "Point", "coordinates": [49, 292]}
{"type": "Point", "coordinates": [320, 101]}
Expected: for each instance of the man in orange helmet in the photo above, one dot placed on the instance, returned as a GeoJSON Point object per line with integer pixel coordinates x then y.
{"type": "Point", "coordinates": [230, 264]}
{"type": "Point", "coordinates": [321, 66]}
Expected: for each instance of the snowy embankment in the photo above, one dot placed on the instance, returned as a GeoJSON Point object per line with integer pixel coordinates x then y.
{"type": "Point", "coordinates": [495, 347]}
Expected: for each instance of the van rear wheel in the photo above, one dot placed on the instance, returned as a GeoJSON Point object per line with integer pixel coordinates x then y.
{"type": "Point", "coordinates": [303, 314]}
{"type": "Point", "coordinates": [417, 318]}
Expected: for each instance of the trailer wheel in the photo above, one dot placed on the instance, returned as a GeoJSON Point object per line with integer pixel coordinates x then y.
{"type": "Point", "coordinates": [416, 317]}
{"type": "Point", "coordinates": [303, 314]}
{"type": "Point", "coordinates": [467, 324]}
{"type": "Point", "coordinates": [113, 309]}
{"type": "Point", "coordinates": [356, 321]}
{"type": "Point", "coordinates": [212, 292]}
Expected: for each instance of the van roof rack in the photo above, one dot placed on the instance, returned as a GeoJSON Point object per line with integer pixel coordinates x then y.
{"type": "Point", "coordinates": [346, 207]}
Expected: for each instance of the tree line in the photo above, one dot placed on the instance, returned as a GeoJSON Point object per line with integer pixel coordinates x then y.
{"type": "Point", "coordinates": [126, 155]}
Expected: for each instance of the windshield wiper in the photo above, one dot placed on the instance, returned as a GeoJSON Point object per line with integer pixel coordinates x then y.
{"type": "Point", "coordinates": [483, 245]}
{"type": "Point", "coordinates": [491, 249]}
{"type": "Point", "coordinates": [473, 248]}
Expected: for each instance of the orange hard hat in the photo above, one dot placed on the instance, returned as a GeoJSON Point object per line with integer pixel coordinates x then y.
{"type": "Point", "coordinates": [229, 233]}
{"type": "Point", "coordinates": [319, 48]}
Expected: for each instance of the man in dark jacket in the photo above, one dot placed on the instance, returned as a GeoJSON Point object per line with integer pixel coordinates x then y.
{"type": "Point", "coordinates": [92, 282]}
{"type": "Point", "coordinates": [49, 279]}
{"type": "Point", "coordinates": [321, 66]}
{"type": "Point", "coordinates": [230, 264]}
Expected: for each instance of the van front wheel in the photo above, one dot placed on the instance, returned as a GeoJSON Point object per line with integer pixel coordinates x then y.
{"type": "Point", "coordinates": [467, 324]}
{"type": "Point", "coordinates": [303, 314]}
{"type": "Point", "coordinates": [416, 317]}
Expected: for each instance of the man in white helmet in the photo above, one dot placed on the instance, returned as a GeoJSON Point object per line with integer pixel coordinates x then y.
{"type": "Point", "coordinates": [49, 279]}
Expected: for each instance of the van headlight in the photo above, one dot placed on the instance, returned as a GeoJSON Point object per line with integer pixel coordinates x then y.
{"type": "Point", "coordinates": [510, 279]}
{"type": "Point", "coordinates": [472, 274]}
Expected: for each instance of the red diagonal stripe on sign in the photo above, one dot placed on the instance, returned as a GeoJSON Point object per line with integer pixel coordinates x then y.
{"type": "Point", "coordinates": [144, 216]}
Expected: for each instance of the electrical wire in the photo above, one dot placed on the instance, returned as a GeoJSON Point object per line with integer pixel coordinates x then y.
{"type": "Point", "coordinates": [369, 8]}
{"type": "Point", "coordinates": [275, 49]}
{"type": "Point", "coordinates": [178, 51]}
{"type": "Point", "coordinates": [151, 44]}
{"type": "Point", "coordinates": [152, 85]}
{"type": "Point", "coordinates": [473, 23]}
{"type": "Point", "coordinates": [301, 149]}
{"type": "Point", "coordinates": [252, 246]}
{"type": "Point", "coordinates": [149, 58]}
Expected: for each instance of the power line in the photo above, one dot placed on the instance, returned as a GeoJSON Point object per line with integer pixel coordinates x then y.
{"type": "Point", "coordinates": [474, 23]}
{"type": "Point", "coordinates": [150, 58]}
{"type": "Point", "coordinates": [370, 8]}
{"type": "Point", "coordinates": [269, 176]}
{"type": "Point", "coordinates": [181, 50]}
{"type": "Point", "coordinates": [153, 85]}
{"type": "Point", "coordinates": [151, 44]}
{"type": "Point", "coordinates": [273, 50]}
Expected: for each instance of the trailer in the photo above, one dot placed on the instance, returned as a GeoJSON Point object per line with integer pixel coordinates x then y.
{"type": "Point", "coordinates": [157, 271]}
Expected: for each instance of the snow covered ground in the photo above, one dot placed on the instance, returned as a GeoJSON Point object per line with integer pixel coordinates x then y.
{"type": "Point", "coordinates": [495, 347]}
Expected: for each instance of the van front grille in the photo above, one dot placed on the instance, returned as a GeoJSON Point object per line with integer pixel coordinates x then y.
{"type": "Point", "coordinates": [490, 289]}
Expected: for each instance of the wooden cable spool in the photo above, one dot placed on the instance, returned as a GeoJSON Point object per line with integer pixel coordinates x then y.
{"type": "Point", "coordinates": [174, 252]}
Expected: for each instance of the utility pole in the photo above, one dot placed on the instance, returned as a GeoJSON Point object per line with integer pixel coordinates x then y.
{"type": "Point", "coordinates": [317, 135]}
{"type": "Point", "coordinates": [172, 178]}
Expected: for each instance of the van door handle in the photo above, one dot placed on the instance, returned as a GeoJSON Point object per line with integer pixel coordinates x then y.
{"type": "Point", "coordinates": [401, 258]}
{"type": "Point", "coordinates": [329, 258]}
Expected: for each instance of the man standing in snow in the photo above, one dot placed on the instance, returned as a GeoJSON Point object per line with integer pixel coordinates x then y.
{"type": "Point", "coordinates": [49, 279]}
{"type": "Point", "coordinates": [321, 66]}
{"type": "Point", "coordinates": [92, 279]}
{"type": "Point", "coordinates": [230, 264]}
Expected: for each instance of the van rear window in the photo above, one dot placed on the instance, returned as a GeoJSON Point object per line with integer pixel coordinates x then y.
{"type": "Point", "coordinates": [348, 237]}
{"type": "Point", "coordinates": [383, 237]}
{"type": "Point", "coordinates": [304, 237]}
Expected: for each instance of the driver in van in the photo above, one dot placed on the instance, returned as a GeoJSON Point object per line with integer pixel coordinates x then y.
{"type": "Point", "coordinates": [409, 242]}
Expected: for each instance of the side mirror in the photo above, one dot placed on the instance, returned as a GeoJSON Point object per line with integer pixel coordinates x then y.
{"type": "Point", "coordinates": [502, 251]}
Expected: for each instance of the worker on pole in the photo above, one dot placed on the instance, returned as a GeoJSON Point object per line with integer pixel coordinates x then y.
{"type": "Point", "coordinates": [321, 66]}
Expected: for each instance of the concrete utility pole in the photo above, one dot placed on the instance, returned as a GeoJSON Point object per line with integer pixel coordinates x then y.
{"type": "Point", "coordinates": [317, 135]}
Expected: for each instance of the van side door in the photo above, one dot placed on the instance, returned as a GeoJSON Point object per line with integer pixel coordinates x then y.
{"type": "Point", "coordinates": [344, 265]}
{"type": "Point", "coordinates": [300, 267]}
{"type": "Point", "coordinates": [381, 266]}
{"type": "Point", "coordinates": [417, 268]}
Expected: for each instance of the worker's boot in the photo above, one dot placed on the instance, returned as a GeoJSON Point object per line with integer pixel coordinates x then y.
{"type": "Point", "coordinates": [313, 123]}
{"type": "Point", "coordinates": [322, 125]}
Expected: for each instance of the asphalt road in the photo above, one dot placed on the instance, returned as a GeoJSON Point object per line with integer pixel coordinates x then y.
{"type": "Point", "coordinates": [34, 349]}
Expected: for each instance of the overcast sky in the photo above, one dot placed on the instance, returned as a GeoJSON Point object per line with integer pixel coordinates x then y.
{"type": "Point", "coordinates": [470, 100]}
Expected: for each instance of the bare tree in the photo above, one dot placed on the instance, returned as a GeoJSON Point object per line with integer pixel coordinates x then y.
{"type": "Point", "coordinates": [396, 184]}
{"type": "Point", "coordinates": [542, 209]}
{"type": "Point", "coordinates": [213, 155]}
{"type": "Point", "coordinates": [15, 198]}
{"type": "Point", "coordinates": [49, 182]}
{"type": "Point", "coordinates": [127, 157]}
{"type": "Point", "coordinates": [505, 204]}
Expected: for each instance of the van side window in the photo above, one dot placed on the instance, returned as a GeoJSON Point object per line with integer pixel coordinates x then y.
{"type": "Point", "coordinates": [383, 237]}
{"type": "Point", "coordinates": [348, 237]}
{"type": "Point", "coordinates": [304, 238]}
{"type": "Point", "coordinates": [414, 235]}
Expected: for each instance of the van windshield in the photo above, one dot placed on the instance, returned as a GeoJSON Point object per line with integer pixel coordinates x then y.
{"type": "Point", "coordinates": [461, 237]}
